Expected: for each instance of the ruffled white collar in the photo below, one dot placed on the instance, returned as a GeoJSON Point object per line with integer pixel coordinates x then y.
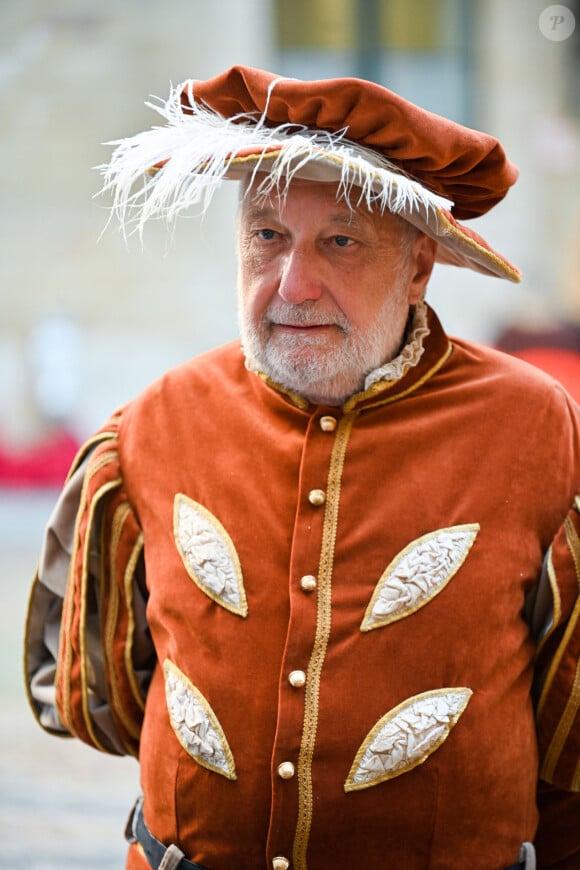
{"type": "Point", "coordinates": [409, 356]}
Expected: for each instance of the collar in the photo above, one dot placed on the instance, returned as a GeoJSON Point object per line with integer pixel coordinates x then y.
{"type": "Point", "coordinates": [409, 355]}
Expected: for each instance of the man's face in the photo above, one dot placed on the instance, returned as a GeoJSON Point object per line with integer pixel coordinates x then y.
{"type": "Point", "coordinates": [324, 288]}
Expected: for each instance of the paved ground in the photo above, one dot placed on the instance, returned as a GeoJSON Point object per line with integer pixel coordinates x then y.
{"type": "Point", "coordinates": [62, 805]}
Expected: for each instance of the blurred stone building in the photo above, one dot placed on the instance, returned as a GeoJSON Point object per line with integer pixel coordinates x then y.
{"type": "Point", "coordinates": [87, 320]}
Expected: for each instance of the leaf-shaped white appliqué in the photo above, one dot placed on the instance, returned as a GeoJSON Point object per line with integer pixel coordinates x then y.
{"type": "Point", "coordinates": [195, 724]}
{"type": "Point", "coordinates": [418, 573]}
{"type": "Point", "coordinates": [208, 554]}
{"type": "Point", "coordinates": [406, 736]}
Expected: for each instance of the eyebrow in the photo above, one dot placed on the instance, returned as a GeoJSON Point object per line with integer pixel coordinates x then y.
{"type": "Point", "coordinates": [258, 214]}
{"type": "Point", "coordinates": [350, 219]}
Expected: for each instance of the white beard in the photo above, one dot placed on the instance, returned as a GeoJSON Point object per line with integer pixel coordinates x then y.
{"type": "Point", "coordinates": [323, 372]}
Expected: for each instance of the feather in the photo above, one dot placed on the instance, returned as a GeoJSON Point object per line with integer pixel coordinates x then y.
{"type": "Point", "coordinates": [161, 172]}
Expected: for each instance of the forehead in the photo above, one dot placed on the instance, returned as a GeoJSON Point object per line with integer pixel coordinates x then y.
{"type": "Point", "coordinates": [303, 197]}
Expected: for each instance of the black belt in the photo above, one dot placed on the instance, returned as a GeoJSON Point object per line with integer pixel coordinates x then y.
{"type": "Point", "coordinates": [159, 857]}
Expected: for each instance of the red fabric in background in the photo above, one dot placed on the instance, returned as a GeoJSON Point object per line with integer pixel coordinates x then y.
{"type": "Point", "coordinates": [44, 464]}
{"type": "Point", "coordinates": [564, 365]}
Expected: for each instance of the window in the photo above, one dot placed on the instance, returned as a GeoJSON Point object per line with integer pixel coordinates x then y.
{"type": "Point", "coordinates": [418, 48]}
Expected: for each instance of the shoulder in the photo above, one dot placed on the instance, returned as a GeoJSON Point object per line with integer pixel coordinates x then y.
{"type": "Point", "coordinates": [510, 399]}
{"type": "Point", "coordinates": [195, 379]}
{"type": "Point", "coordinates": [185, 399]}
{"type": "Point", "coordinates": [225, 361]}
{"type": "Point", "coordinates": [505, 375]}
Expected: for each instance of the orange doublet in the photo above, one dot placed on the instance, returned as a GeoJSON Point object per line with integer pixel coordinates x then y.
{"type": "Point", "coordinates": [336, 599]}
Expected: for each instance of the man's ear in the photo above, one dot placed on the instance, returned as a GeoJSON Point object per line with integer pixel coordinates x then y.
{"type": "Point", "coordinates": [421, 260]}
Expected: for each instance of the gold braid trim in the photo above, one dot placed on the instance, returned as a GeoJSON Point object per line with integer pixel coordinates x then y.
{"type": "Point", "coordinates": [133, 729]}
{"type": "Point", "coordinates": [381, 387]}
{"type": "Point", "coordinates": [128, 579]}
{"type": "Point", "coordinates": [556, 600]}
{"type": "Point", "coordinates": [575, 785]}
{"type": "Point", "coordinates": [90, 444]}
{"type": "Point", "coordinates": [323, 625]}
{"type": "Point", "coordinates": [573, 704]}
{"type": "Point", "coordinates": [83, 653]}
{"type": "Point", "coordinates": [562, 731]}
{"type": "Point", "coordinates": [504, 266]}
{"type": "Point", "coordinates": [65, 659]}
{"type": "Point", "coordinates": [574, 546]}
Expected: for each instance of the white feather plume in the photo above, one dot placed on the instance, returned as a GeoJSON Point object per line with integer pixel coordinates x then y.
{"type": "Point", "coordinates": [197, 149]}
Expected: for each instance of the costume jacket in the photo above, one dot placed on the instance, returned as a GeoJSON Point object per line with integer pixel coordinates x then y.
{"type": "Point", "coordinates": [364, 622]}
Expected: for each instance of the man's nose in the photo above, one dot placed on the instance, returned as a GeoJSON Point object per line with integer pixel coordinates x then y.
{"type": "Point", "coordinates": [299, 279]}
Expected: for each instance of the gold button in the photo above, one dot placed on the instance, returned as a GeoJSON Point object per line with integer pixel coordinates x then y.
{"type": "Point", "coordinates": [328, 424]}
{"type": "Point", "coordinates": [286, 770]}
{"type": "Point", "coordinates": [297, 679]}
{"type": "Point", "coordinates": [316, 497]}
{"type": "Point", "coordinates": [280, 863]}
{"type": "Point", "coordinates": [308, 582]}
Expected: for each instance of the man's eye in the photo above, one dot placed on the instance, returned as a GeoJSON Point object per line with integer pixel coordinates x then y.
{"type": "Point", "coordinates": [266, 234]}
{"type": "Point", "coordinates": [342, 241]}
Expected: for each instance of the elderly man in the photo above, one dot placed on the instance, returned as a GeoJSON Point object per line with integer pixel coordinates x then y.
{"type": "Point", "coordinates": [326, 589]}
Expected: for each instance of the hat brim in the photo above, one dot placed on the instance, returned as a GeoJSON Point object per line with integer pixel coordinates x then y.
{"type": "Point", "coordinates": [458, 245]}
{"type": "Point", "coordinates": [161, 172]}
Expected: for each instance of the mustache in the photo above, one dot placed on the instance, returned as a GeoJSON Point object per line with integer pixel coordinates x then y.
{"type": "Point", "coordinates": [307, 313]}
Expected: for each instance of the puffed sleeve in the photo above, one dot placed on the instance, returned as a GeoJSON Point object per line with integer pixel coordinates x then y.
{"type": "Point", "coordinates": [88, 652]}
{"type": "Point", "coordinates": [558, 704]}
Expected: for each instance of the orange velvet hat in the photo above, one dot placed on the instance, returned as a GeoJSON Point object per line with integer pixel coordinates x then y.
{"type": "Point", "coordinates": [378, 148]}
